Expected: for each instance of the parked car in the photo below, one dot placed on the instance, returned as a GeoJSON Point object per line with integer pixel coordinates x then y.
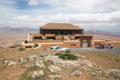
{"type": "Point", "coordinates": [55, 47]}
{"type": "Point", "coordinates": [63, 49]}
{"type": "Point", "coordinates": [100, 47]}
{"type": "Point", "coordinates": [110, 46]}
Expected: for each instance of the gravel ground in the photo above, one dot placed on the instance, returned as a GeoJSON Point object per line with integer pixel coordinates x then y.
{"type": "Point", "coordinates": [112, 51]}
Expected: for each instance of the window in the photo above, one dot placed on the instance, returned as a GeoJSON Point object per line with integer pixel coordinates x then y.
{"type": "Point", "coordinates": [72, 44]}
{"type": "Point", "coordinates": [28, 46]}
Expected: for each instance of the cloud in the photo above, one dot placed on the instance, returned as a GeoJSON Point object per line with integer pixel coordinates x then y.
{"type": "Point", "coordinates": [45, 2]}
{"type": "Point", "coordinates": [33, 2]}
{"type": "Point", "coordinates": [99, 19]}
{"type": "Point", "coordinates": [93, 5]}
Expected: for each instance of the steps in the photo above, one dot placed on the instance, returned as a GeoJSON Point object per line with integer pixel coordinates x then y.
{"type": "Point", "coordinates": [66, 37]}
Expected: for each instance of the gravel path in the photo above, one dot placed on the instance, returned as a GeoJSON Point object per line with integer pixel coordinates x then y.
{"type": "Point", "coordinates": [112, 51]}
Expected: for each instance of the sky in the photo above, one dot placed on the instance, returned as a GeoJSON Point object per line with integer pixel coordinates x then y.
{"type": "Point", "coordinates": [87, 14]}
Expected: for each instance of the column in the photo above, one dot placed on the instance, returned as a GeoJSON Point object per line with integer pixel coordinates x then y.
{"type": "Point", "coordinates": [81, 43]}
{"type": "Point", "coordinates": [89, 43]}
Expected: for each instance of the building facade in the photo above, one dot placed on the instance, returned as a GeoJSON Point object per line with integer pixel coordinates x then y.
{"type": "Point", "coordinates": [63, 34]}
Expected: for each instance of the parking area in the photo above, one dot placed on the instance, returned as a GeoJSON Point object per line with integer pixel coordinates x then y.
{"type": "Point", "coordinates": [115, 51]}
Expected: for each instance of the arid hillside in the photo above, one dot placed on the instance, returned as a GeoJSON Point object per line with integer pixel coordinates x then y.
{"type": "Point", "coordinates": [99, 37]}
{"type": "Point", "coordinates": [45, 65]}
{"type": "Point", "coordinates": [11, 36]}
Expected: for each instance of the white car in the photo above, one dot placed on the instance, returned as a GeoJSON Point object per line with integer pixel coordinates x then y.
{"type": "Point", "coordinates": [63, 49]}
{"type": "Point", "coordinates": [55, 47]}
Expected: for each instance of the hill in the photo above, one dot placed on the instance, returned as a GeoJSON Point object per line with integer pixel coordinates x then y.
{"type": "Point", "coordinates": [99, 32]}
{"type": "Point", "coordinates": [10, 36]}
{"type": "Point", "coordinates": [43, 64]}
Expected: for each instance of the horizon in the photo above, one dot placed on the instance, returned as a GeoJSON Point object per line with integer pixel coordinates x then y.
{"type": "Point", "coordinates": [86, 14]}
{"type": "Point", "coordinates": [38, 29]}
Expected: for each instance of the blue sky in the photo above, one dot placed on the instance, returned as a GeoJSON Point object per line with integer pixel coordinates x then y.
{"type": "Point", "coordinates": [88, 14]}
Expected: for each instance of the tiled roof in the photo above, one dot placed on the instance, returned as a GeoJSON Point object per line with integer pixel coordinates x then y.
{"type": "Point", "coordinates": [60, 26]}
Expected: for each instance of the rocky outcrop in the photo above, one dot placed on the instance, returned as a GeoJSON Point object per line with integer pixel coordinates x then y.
{"type": "Point", "coordinates": [114, 73]}
{"type": "Point", "coordinates": [54, 77]}
{"type": "Point", "coordinates": [69, 63]}
{"type": "Point", "coordinates": [54, 68]}
{"type": "Point", "coordinates": [39, 63]}
{"type": "Point", "coordinates": [37, 74]}
{"type": "Point", "coordinates": [32, 57]}
{"type": "Point", "coordinates": [77, 73]}
{"type": "Point", "coordinates": [9, 63]}
{"type": "Point", "coordinates": [21, 60]}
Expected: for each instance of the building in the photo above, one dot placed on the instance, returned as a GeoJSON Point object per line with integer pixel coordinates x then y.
{"type": "Point", "coordinates": [63, 34]}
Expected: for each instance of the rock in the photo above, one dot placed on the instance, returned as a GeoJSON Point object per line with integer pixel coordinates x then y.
{"type": "Point", "coordinates": [37, 74]}
{"type": "Point", "coordinates": [39, 64]}
{"type": "Point", "coordinates": [43, 54]}
{"type": "Point", "coordinates": [58, 52]}
{"type": "Point", "coordinates": [21, 60]}
{"type": "Point", "coordinates": [94, 64]}
{"type": "Point", "coordinates": [11, 63]}
{"type": "Point", "coordinates": [32, 57]}
{"type": "Point", "coordinates": [114, 72]}
{"type": "Point", "coordinates": [97, 73]}
{"type": "Point", "coordinates": [54, 68]}
{"type": "Point", "coordinates": [80, 56]}
{"type": "Point", "coordinates": [77, 73]}
{"type": "Point", "coordinates": [57, 61]}
{"type": "Point", "coordinates": [25, 66]}
{"type": "Point", "coordinates": [86, 63]}
{"type": "Point", "coordinates": [84, 68]}
{"type": "Point", "coordinates": [6, 62]}
{"type": "Point", "coordinates": [94, 75]}
{"type": "Point", "coordinates": [53, 77]}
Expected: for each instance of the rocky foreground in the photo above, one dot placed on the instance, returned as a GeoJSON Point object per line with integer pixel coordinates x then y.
{"type": "Point", "coordinates": [47, 66]}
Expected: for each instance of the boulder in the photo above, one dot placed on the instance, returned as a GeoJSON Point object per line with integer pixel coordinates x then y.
{"type": "Point", "coordinates": [32, 57]}
{"type": "Point", "coordinates": [43, 54]}
{"type": "Point", "coordinates": [77, 73]}
{"type": "Point", "coordinates": [53, 77]}
{"type": "Point", "coordinates": [97, 73]}
{"type": "Point", "coordinates": [37, 74]}
{"type": "Point", "coordinates": [39, 64]}
{"type": "Point", "coordinates": [54, 68]}
{"type": "Point", "coordinates": [80, 56]}
{"type": "Point", "coordinates": [114, 72]}
{"type": "Point", "coordinates": [6, 62]}
{"type": "Point", "coordinates": [86, 63]}
{"type": "Point", "coordinates": [21, 60]}
{"type": "Point", "coordinates": [11, 63]}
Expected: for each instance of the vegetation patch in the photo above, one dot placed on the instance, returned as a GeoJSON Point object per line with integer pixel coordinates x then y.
{"type": "Point", "coordinates": [26, 75]}
{"type": "Point", "coordinates": [68, 56]}
{"type": "Point", "coordinates": [21, 49]}
{"type": "Point", "coordinates": [14, 46]}
{"type": "Point", "coordinates": [67, 51]}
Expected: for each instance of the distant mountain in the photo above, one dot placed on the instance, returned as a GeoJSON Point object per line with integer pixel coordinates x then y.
{"type": "Point", "coordinates": [17, 31]}
{"type": "Point", "coordinates": [99, 32]}
{"type": "Point", "coordinates": [10, 36]}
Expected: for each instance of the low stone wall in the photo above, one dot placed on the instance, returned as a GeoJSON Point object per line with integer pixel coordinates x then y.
{"type": "Point", "coordinates": [71, 44]}
{"type": "Point", "coordinates": [58, 37]}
